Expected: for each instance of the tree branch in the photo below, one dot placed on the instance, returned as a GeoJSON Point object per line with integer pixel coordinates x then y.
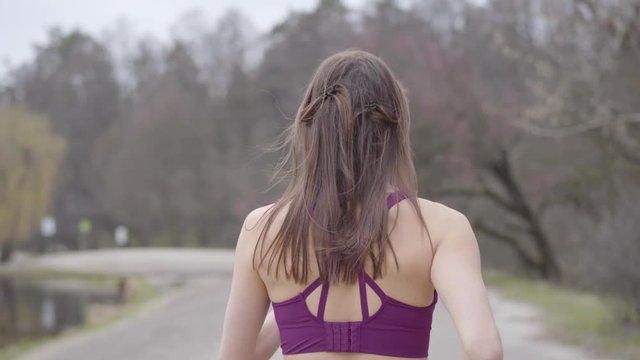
{"type": "Point", "coordinates": [511, 241]}
{"type": "Point", "coordinates": [498, 199]}
{"type": "Point", "coordinates": [560, 132]}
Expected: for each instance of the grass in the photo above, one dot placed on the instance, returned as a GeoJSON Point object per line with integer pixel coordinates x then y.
{"type": "Point", "coordinates": [140, 293]}
{"type": "Point", "coordinates": [577, 317]}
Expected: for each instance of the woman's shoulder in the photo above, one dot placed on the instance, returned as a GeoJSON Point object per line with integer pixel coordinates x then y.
{"type": "Point", "coordinates": [257, 214]}
{"type": "Point", "coordinates": [251, 230]}
{"type": "Point", "coordinates": [256, 217]}
{"type": "Point", "coordinates": [442, 219]}
{"type": "Point", "coordinates": [439, 209]}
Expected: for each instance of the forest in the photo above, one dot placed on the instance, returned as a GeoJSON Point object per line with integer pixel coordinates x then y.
{"type": "Point", "coordinates": [525, 115]}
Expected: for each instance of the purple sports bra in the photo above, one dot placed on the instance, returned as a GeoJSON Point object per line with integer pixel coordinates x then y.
{"type": "Point", "coordinates": [396, 329]}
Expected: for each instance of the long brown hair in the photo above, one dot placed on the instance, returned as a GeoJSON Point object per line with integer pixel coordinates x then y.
{"type": "Point", "coordinates": [348, 142]}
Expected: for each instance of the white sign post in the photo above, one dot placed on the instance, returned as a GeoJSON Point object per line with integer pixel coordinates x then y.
{"type": "Point", "coordinates": [47, 230]}
{"type": "Point", "coordinates": [48, 226]}
{"type": "Point", "coordinates": [121, 236]}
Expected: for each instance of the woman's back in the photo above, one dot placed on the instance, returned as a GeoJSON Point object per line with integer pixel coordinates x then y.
{"type": "Point", "coordinates": [407, 287]}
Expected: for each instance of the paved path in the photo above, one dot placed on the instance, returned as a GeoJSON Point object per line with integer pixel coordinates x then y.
{"type": "Point", "coordinates": [186, 324]}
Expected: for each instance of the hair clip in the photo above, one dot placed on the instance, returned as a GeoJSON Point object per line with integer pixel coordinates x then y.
{"type": "Point", "coordinates": [331, 90]}
{"type": "Point", "coordinates": [371, 106]}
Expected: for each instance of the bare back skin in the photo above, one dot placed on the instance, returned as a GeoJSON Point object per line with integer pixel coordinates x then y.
{"type": "Point", "coordinates": [409, 283]}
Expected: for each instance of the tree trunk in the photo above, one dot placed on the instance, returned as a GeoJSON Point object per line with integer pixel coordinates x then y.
{"type": "Point", "coordinates": [548, 265]}
{"type": "Point", "coordinates": [6, 251]}
{"type": "Point", "coordinates": [8, 293]}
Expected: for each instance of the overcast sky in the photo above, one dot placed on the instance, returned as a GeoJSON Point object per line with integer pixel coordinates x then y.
{"type": "Point", "coordinates": [25, 22]}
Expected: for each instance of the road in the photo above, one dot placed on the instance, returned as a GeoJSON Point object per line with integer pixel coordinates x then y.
{"type": "Point", "coordinates": [186, 324]}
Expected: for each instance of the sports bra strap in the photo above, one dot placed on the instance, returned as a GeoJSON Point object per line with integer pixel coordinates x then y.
{"type": "Point", "coordinates": [395, 197]}
{"type": "Point", "coordinates": [374, 286]}
{"type": "Point", "coordinates": [323, 295]}
{"type": "Point", "coordinates": [311, 287]}
{"type": "Point", "coordinates": [363, 296]}
{"type": "Point", "coordinates": [323, 301]}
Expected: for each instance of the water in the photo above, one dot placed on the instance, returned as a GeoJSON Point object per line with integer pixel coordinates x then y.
{"type": "Point", "coordinates": [32, 309]}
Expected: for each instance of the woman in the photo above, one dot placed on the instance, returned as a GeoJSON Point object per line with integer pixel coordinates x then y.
{"type": "Point", "coordinates": [345, 256]}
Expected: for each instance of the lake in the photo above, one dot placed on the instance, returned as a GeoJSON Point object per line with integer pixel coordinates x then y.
{"type": "Point", "coordinates": [37, 308]}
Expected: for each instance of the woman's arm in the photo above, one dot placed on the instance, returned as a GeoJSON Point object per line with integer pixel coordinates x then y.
{"type": "Point", "coordinates": [457, 277]}
{"type": "Point", "coordinates": [248, 300]}
{"type": "Point", "coordinates": [268, 339]}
